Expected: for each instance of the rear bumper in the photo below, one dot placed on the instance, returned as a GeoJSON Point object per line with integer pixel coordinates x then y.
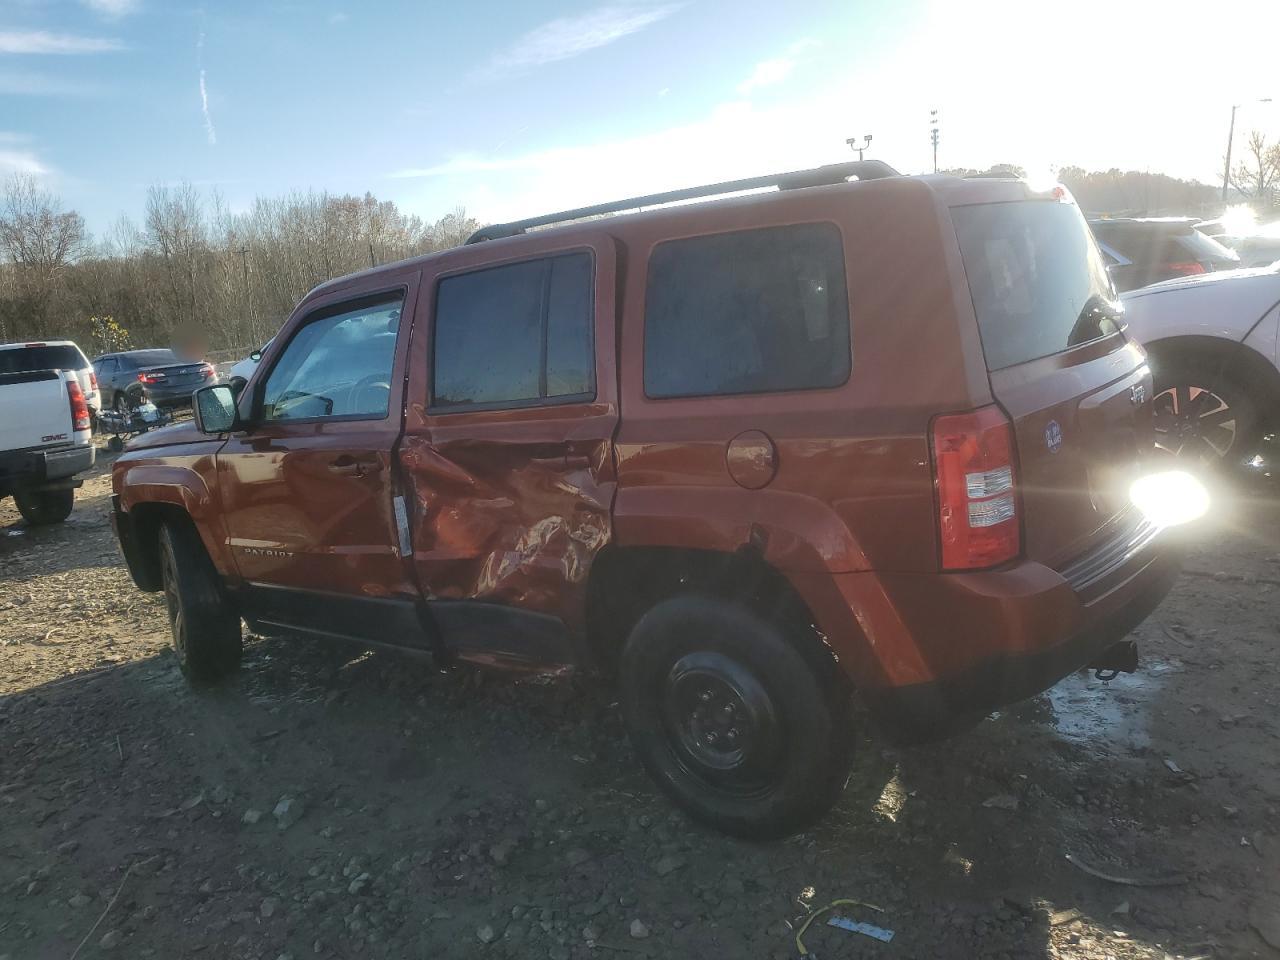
{"type": "Point", "coordinates": [45, 468]}
{"type": "Point", "coordinates": [948, 704]}
{"type": "Point", "coordinates": [164, 395]}
{"type": "Point", "coordinates": [932, 654]}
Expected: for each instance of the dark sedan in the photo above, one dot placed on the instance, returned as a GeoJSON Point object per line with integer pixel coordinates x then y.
{"type": "Point", "coordinates": [125, 378]}
{"type": "Point", "coordinates": [1143, 250]}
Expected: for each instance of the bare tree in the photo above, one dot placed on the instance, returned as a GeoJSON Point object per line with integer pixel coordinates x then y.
{"type": "Point", "coordinates": [35, 232]}
{"type": "Point", "coordinates": [1257, 175]}
{"type": "Point", "coordinates": [40, 240]}
{"type": "Point", "coordinates": [195, 271]}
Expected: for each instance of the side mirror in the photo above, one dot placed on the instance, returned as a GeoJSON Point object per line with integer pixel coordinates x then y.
{"type": "Point", "coordinates": [215, 408]}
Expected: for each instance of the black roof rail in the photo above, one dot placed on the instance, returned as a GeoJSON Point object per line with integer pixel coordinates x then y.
{"type": "Point", "coordinates": [818, 176]}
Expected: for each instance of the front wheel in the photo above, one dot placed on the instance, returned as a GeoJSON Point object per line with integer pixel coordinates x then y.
{"type": "Point", "coordinates": [206, 631]}
{"type": "Point", "coordinates": [1202, 416]}
{"type": "Point", "coordinates": [40, 507]}
{"type": "Point", "coordinates": [731, 721]}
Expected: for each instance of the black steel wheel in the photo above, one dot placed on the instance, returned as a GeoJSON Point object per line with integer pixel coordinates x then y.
{"type": "Point", "coordinates": [731, 720]}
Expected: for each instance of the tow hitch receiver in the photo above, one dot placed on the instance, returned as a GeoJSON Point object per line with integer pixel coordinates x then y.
{"type": "Point", "coordinates": [1121, 658]}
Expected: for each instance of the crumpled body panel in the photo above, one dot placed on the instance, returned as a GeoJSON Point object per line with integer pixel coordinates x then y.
{"type": "Point", "coordinates": [509, 520]}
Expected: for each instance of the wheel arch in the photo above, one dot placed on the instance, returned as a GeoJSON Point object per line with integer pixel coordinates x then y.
{"type": "Point", "coordinates": [627, 581]}
{"type": "Point", "coordinates": [147, 518]}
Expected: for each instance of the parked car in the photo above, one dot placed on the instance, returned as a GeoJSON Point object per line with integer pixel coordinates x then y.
{"type": "Point", "coordinates": [240, 373]}
{"type": "Point", "coordinates": [1211, 341]}
{"type": "Point", "coordinates": [746, 455]}
{"type": "Point", "coordinates": [1142, 251]}
{"type": "Point", "coordinates": [54, 355]}
{"type": "Point", "coordinates": [45, 441]}
{"type": "Point", "coordinates": [159, 374]}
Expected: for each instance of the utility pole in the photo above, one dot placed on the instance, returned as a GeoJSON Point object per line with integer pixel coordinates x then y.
{"type": "Point", "coordinates": [1231, 135]}
{"type": "Point", "coordinates": [853, 144]}
{"type": "Point", "coordinates": [933, 136]}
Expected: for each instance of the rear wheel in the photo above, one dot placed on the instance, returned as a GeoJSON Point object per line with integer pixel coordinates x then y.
{"type": "Point", "coordinates": [206, 631]}
{"type": "Point", "coordinates": [733, 723]}
{"type": "Point", "coordinates": [40, 507]}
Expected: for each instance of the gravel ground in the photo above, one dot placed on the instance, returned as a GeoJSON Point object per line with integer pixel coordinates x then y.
{"type": "Point", "coordinates": [334, 803]}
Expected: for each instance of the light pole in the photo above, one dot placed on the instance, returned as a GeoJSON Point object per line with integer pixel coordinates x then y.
{"type": "Point", "coordinates": [1231, 135]}
{"type": "Point", "coordinates": [933, 136]}
{"type": "Point", "coordinates": [853, 144]}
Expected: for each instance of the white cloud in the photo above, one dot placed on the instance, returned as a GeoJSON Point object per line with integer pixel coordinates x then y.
{"type": "Point", "coordinates": [770, 72]}
{"type": "Point", "coordinates": [767, 73]}
{"type": "Point", "coordinates": [734, 140]}
{"type": "Point", "coordinates": [41, 41]}
{"type": "Point", "coordinates": [112, 8]}
{"type": "Point", "coordinates": [209, 130]}
{"type": "Point", "coordinates": [338, 18]}
{"type": "Point", "coordinates": [19, 83]}
{"type": "Point", "coordinates": [567, 37]}
{"type": "Point", "coordinates": [20, 161]}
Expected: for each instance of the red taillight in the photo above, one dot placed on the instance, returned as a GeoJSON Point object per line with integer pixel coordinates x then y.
{"type": "Point", "coordinates": [206, 370]}
{"type": "Point", "coordinates": [79, 409]}
{"type": "Point", "coordinates": [976, 482]}
{"type": "Point", "coordinates": [1188, 269]}
{"type": "Point", "coordinates": [150, 377]}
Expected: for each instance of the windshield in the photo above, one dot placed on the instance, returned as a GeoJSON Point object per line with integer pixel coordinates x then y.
{"type": "Point", "coordinates": [1038, 282]}
{"type": "Point", "coordinates": [46, 357]}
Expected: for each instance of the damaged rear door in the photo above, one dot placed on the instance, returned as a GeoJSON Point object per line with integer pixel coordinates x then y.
{"type": "Point", "coordinates": [507, 454]}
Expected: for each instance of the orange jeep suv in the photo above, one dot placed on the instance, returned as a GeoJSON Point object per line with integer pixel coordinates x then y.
{"type": "Point", "coordinates": [756, 456]}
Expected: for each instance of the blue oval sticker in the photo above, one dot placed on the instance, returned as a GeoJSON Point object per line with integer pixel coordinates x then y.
{"type": "Point", "coordinates": [1053, 436]}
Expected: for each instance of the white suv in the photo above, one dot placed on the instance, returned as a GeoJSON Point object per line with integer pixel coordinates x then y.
{"type": "Point", "coordinates": [1212, 346]}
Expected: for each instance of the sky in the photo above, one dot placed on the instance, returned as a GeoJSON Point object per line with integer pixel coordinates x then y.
{"type": "Point", "coordinates": [511, 109]}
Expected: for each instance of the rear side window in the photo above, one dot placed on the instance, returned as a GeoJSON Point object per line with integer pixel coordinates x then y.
{"type": "Point", "coordinates": [54, 357]}
{"type": "Point", "coordinates": [516, 334]}
{"type": "Point", "coordinates": [1038, 282]}
{"type": "Point", "coordinates": [749, 312]}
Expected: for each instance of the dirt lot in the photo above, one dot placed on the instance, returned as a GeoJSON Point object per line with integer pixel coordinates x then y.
{"type": "Point", "coordinates": [335, 804]}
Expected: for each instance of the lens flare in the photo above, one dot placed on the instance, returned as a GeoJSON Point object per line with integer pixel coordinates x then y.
{"type": "Point", "coordinates": [1170, 498]}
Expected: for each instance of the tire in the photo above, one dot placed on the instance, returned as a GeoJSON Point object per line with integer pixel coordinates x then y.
{"type": "Point", "coordinates": [695, 665]}
{"type": "Point", "coordinates": [1202, 416]}
{"type": "Point", "coordinates": [115, 443]}
{"type": "Point", "coordinates": [206, 630]}
{"type": "Point", "coordinates": [41, 507]}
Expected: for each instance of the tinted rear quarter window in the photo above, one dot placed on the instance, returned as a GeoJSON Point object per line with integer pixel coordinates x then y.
{"type": "Point", "coordinates": [515, 334]}
{"type": "Point", "coordinates": [52, 357]}
{"type": "Point", "coordinates": [1038, 282]}
{"type": "Point", "coordinates": [753, 311]}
